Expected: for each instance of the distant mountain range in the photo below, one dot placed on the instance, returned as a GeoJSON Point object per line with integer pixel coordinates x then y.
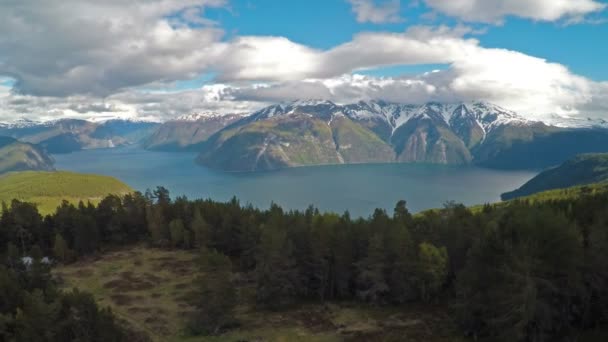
{"type": "Point", "coordinates": [322, 132]}
{"type": "Point", "coordinates": [68, 135]}
{"type": "Point", "coordinates": [188, 132]}
{"type": "Point", "coordinates": [315, 132]}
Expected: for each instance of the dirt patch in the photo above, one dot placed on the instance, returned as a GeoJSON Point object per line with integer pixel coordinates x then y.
{"type": "Point", "coordinates": [152, 278]}
{"type": "Point", "coordinates": [181, 286]}
{"type": "Point", "coordinates": [83, 273]}
{"type": "Point", "coordinates": [130, 282]}
{"type": "Point", "coordinates": [138, 310]}
{"type": "Point", "coordinates": [157, 324]}
{"type": "Point", "coordinates": [122, 300]}
{"type": "Point", "coordinates": [176, 267]}
{"type": "Point", "coordinates": [316, 320]}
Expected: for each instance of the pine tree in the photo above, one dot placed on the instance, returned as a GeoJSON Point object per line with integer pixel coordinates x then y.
{"type": "Point", "coordinates": [432, 270]}
{"type": "Point", "coordinates": [60, 248]}
{"type": "Point", "coordinates": [176, 231]}
{"type": "Point", "coordinates": [371, 282]}
{"type": "Point", "coordinates": [201, 230]}
{"type": "Point", "coordinates": [276, 273]}
{"type": "Point", "coordinates": [215, 298]}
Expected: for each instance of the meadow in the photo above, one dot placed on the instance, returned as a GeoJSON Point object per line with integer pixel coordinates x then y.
{"type": "Point", "coordinates": [48, 189]}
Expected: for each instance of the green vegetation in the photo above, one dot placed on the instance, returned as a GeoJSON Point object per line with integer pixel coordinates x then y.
{"type": "Point", "coordinates": [271, 144]}
{"type": "Point", "coordinates": [357, 144]}
{"type": "Point", "coordinates": [17, 156]}
{"type": "Point", "coordinates": [524, 270]}
{"type": "Point", "coordinates": [150, 288]}
{"type": "Point", "coordinates": [48, 189]}
{"type": "Point", "coordinates": [33, 309]}
{"type": "Point", "coordinates": [581, 170]}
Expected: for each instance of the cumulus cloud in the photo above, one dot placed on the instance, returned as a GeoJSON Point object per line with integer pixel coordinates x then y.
{"type": "Point", "coordinates": [494, 11]}
{"type": "Point", "coordinates": [64, 47]}
{"type": "Point", "coordinates": [85, 58]}
{"type": "Point", "coordinates": [386, 11]}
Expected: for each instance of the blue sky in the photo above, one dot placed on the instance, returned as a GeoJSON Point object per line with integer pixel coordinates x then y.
{"type": "Point", "coordinates": [165, 58]}
{"type": "Point", "coordinates": [324, 24]}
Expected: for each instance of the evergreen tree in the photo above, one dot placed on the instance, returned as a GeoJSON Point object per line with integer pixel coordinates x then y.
{"type": "Point", "coordinates": [201, 230]}
{"type": "Point", "coordinates": [432, 270]}
{"type": "Point", "coordinates": [60, 249]}
{"type": "Point", "coordinates": [371, 282]}
{"type": "Point", "coordinates": [276, 274]}
{"type": "Point", "coordinates": [215, 298]}
{"type": "Point", "coordinates": [176, 231]}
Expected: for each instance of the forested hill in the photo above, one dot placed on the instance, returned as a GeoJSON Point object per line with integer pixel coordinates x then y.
{"type": "Point", "coordinates": [581, 170]}
{"type": "Point", "coordinates": [520, 271]}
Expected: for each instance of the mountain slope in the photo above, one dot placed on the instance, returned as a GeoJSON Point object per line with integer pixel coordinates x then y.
{"type": "Point", "coordinates": [428, 138]}
{"type": "Point", "coordinates": [581, 170]}
{"type": "Point", "coordinates": [18, 156]}
{"type": "Point", "coordinates": [538, 146]}
{"type": "Point", "coordinates": [296, 133]}
{"type": "Point", "coordinates": [187, 133]}
{"type": "Point", "coordinates": [271, 144]}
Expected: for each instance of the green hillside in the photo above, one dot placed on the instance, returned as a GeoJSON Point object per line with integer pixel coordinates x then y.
{"type": "Point", "coordinates": [581, 170]}
{"type": "Point", "coordinates": [48, 189]}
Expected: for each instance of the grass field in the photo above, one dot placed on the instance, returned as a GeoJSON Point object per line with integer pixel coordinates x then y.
{"type": "Point", "coordinates": [48, 189]}
{"type": "Point", "coordinates": [149, 289]}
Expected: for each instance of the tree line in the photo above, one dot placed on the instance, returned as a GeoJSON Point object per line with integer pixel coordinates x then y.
{"type": "Point", "coordinates": [516, 272]}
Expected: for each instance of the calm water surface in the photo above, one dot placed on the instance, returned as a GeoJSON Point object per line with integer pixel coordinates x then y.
{"type": "Point", "coordinates": [357, 188]}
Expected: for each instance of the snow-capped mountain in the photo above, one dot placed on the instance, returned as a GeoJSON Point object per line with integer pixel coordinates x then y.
{"type": "Point", "coordinates": [485, 115]}
{"type": "Point", "coordinates": [308, 132]}
{"type": "Point", "coordinates": [20, 123]}
{"type": "Point", "coordinates": [197, 116]}
{"type": "Point", "coordinates": [575, 122]}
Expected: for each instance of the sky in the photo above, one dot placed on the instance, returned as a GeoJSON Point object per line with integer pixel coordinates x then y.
{"type": "Point", "coordinates": [159, 59]}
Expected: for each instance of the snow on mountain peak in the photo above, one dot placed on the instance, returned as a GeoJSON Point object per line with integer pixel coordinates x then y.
{"type": "Point", "coordinates": [202, 116]}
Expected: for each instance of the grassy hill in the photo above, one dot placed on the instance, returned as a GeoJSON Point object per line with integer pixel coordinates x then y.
{"type": "Point", "coordinates": [48, 189]}
{"type": "Point", "coordinates": [581, 170]}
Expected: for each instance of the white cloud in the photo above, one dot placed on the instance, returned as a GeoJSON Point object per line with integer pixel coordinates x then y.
{"type": "Point", "coordinates": [64, 47]}
{"type": "Point", "coordinates": [89, 58]}
{"type": "Point", "coordinates": [494, 11]}
{"type": "Point", "coordinates": [385, 11]}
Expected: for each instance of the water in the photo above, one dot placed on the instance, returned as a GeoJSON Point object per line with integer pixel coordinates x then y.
{"type": "Point", "coordinates": [357, 188]}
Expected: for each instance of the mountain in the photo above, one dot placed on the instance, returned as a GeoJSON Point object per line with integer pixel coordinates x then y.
{"type": "Point", "coordinates": [321, 132]}
{"type": "Point", "coordinates": [132, 131]}
{"type": "Point", "coordinates": [313, 132]}
{"type": "Point", "coordinates": [296, 134]}
{"type": "Point", "coordinates": [186, 133]}
{"type": "Point", "coordinates": [581, 170]}
{"type": "Point", "coordinates": [18, 156]}
{"type": "Point", "coordinates": [68, 135]}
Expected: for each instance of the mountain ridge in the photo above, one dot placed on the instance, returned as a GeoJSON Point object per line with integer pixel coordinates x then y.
{"type": "Point", "coordinates": [583, 169]}
{"type": "Point", "coordinates": [302, 133]}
